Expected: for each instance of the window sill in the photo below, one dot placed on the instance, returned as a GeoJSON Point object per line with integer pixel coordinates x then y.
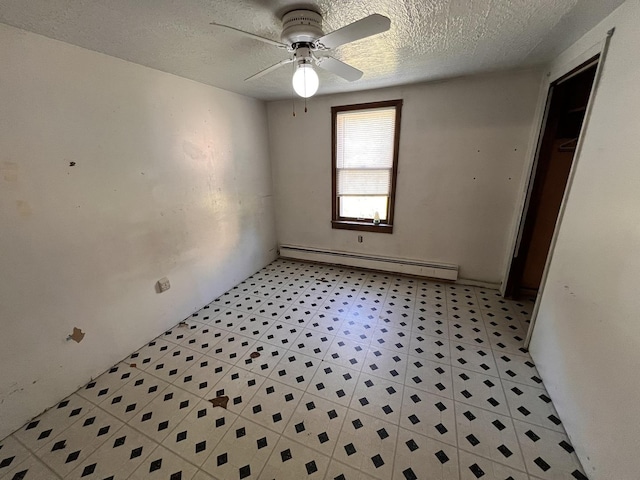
{"type": "Point", "coordinates": [362, 226]}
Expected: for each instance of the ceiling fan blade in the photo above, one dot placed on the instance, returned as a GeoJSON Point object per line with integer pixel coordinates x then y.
{"type": "Point", "coordinates": [251, 35]}
{"type": "Point", "coordinates": [371, 25]}
{"type": "Point", "coordinates": [339, 68]}
{"type": "Point", "coordinates": [269, 69]}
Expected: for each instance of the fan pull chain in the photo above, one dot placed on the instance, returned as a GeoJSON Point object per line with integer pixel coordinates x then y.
{"type": "Point", "coordinates": [304, 73]}
{"type": "Point", "coordinates": [293, 93]}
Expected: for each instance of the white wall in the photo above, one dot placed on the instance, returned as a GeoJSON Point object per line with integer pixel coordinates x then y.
{"type": "Point", "coordinates": [586, 342]}
{"type": "Point", "coordinates": [172, 178]}
{"type": "Point", "coordinates": [463, 145]}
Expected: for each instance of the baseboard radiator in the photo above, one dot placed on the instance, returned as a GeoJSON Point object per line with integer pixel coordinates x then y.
{"type": "Point", "coordinates": [418, 268]}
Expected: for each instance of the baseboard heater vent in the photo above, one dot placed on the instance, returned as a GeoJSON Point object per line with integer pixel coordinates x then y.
{"type": "Point", "coordinates": [442, 271]}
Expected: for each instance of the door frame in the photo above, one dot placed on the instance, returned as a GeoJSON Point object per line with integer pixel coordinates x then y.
{"type": "Point", "coordinates": [552, 77]}
{"type": "Point", "coordinates": [550, 124]}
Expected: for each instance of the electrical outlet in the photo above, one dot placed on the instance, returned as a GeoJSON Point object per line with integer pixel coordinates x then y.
{"type": "Point", "coordinates": [163, 285]}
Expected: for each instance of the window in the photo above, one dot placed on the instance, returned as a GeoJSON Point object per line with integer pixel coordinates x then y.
{"type": "Point", "coordinates": [365, 141]}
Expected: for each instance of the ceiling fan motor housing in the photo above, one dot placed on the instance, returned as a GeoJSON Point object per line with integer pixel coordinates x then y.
{"type": "Point", "coordinates": [301, 26]}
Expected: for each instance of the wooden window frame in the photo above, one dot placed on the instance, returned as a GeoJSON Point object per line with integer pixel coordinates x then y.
{"type": "Point", "coordinates": [367, 225]}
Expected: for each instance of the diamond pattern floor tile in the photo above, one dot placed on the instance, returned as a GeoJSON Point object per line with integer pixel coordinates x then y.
{"type": "Point", "coordinates": [202, 375]}
{"type": "Point", "coordinates": [519, 369]}
{"type": "Point", "coordinates": [290, 460]}
{"type": "Point", "coordinates": [429, 325]}
{"type": "Point", "coordinates": [295, 369]}
{"type": "Point", "coordinates": [119, 457]}
{"type": "Point", "coordinates": [243, 451]}
{"type": "Point", "coordinates": [182, 331]}
{"type": "Point", "coordinates": [473, 467]}
{"type": "Point", "coordinates": [12, 454]}
{"type": "Point", "coordinates": [54, 421]}
{"type": "Point", "coordinates": [347, 353]}
{"type": "Point", "coordinates": [480, 390]}
{"type": "Point", "coordinates": [253, 327]}
{"type": "Point", "coordinates": [420, 457]}
{"type": "Point", "coordinates": [385, 364]}
{"type": "Point", "coordinates": [430, 348]}
{"type": "Point", "coordinates": [378, 397]}
{"type": "Point", "coordinates": [199, 432]}
{"type": "Point", "coordinates": [326, 322]}
{"type": "Point", "coordinates": [174, 363]}
{"type": "Point", "coordinates": [316, 423]}
{"type": "Point", "coordinates": [263, 358]}
{"type": "Point", "coordinates": [507, 342]}
{"type": "Point", "coordinates": [359, 330]}
{"type": "Point", "coordinates": [429, 415]}
{"type": "Point", "coordinates": [467, 333]}
{"type": "Point", "coordinates": [473, 358]}
{"type": "Point", "coordinates": [489, 435]}
{"type": "Point", "coordinates": [548, 455]}
{"type": "Point", "coordinates": [229, 318]}
{"type": "Point", "coordinates": [273, 405]}
{"type": "Point", "coordinates": [239, 385]}
{"type": "Point", "coordinates": [334, 383]}
{"type": "Point", "coordinates": [158, 418]}
{"type": "Point", "coordinates": [429, 377]}
{"type": "Point", "coordinates": [340, 471]}
{"type": "Point", "coordinates": [367, 444]}
{"type": "Point", "coordinates": [312, 343]}
{"type": "Point", "coordinates": [99, 389]}
{"type": "Point", "coordinates": [30, 469]}
{"type": "Point", "coordinates": [126, 402]}
{"type": "Point", "coordinates": [70, 448]}
{"type": "Point", "coordinates": [314, 371]}
{"type": "Point", "coordinates": [203, 339]}
{"type": "Point", "coordinates": [532, 405]}
{"type": "Point", "coordinates": [162, 464]}
{"type": "Point", "coordinates": [281, 334]}
{"type": "Point", "coordinates": [394, 339]}
{"type": "Point", "coordinates": [298, 315]}
{"type": "Point", "coordinates": [231, 348]}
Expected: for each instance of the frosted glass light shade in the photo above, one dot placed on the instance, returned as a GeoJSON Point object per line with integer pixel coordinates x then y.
{"type": "Point", "coordinates": [305, 81]}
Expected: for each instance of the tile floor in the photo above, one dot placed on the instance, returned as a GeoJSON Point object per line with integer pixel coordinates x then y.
{"type": "Point", "coordinates": [330, 373]}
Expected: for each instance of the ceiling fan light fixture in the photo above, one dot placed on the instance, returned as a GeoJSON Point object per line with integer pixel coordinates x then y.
{"type": "Point", "coordinates": [305, 80]}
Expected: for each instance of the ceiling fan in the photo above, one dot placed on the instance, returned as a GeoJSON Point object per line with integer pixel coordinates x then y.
{"type": "Point", "coordinates": [303, 38]}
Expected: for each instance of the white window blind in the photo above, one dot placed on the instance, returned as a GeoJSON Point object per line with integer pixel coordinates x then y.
{"type": "Point", "coordinates": [364, 161]}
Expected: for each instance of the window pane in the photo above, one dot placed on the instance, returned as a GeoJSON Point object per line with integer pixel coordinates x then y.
{"type": "Point", "coordinates": [363, 207]}
{"type": "Point", "coordinates": [365, 139]}
{"type": "Point", "coordinates": [364, 182]}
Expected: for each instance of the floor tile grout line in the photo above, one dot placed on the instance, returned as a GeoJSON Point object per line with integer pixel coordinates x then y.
{"type": "Point", "coordinates": [359, 374]}
{"type": "Point", "coordinates": [455, 428]}
{"type": "Point", "coordinates": [331, 334]}
{"type": "Point", "coordinates": [343, 423]}
{"type": "Point", "coordinates": [126, 423]}
{"type": "Point", "coordinates": [235, 365]}
{"type": "Point", "coordinates": [524, 459]}
{"type": "Point", "coordinates": [238, 416]}
{"type": "Point", "coordinates": [320, 361]}
{"type": "Point", "coordinates": [32, 453]}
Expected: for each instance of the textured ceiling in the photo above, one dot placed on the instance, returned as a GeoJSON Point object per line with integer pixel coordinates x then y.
{"type": "Point", "coordinates": [428, 39]}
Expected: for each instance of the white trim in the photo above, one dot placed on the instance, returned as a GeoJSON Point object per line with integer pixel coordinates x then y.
{"type": "Point", "coordinates": [555, 72]}
{"type": "Point", "coordinates": [525, 184]}
{"type": "Point", "coordinates": [477, 283]}
{"type": "Point", "coordinates": [586, 66]}
{"type": "Point", "coordinates": [444, 271]}
{"type": "Point", "coordinates": [604, 46]}
{"type": "Point", "coordinates": [558, 71]}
